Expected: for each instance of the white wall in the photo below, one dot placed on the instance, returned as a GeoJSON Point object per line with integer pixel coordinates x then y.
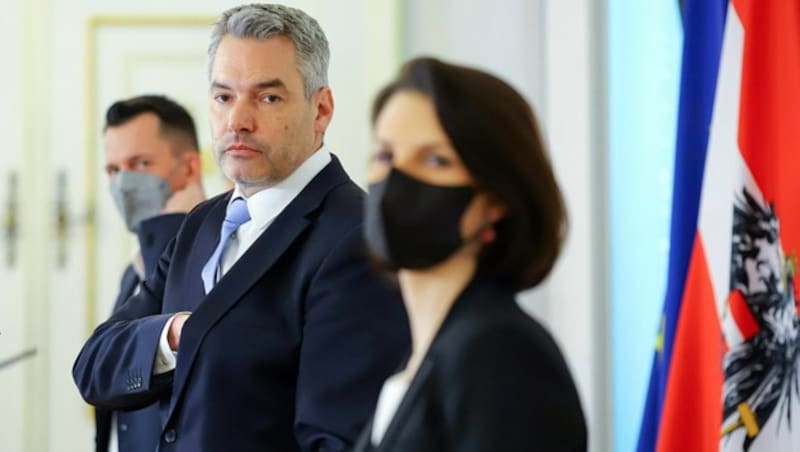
{"type": "Point", "coordinates": [552, 52]}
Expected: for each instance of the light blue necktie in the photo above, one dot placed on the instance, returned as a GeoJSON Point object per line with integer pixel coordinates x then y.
{"type": "Point", "coordinates": [236, 216]}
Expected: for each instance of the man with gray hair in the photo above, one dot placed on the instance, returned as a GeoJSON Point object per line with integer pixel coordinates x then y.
{"type": "Point", "coordinates": [263, 327]}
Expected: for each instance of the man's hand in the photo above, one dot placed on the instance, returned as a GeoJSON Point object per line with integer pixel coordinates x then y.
{"type": "Point", "coordinates": [174, 334]}
{"type": "Point", "coordinates": [184, 200]}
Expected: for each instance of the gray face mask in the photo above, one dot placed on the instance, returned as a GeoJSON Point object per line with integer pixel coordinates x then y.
{"type": "Point", "coordinates": [139, 196]}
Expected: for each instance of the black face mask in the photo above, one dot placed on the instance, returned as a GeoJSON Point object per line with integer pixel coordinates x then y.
{"type": "Point", "coordinates": [414, 225]}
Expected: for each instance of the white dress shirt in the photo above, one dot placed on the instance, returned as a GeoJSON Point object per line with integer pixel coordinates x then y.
{"type": "Point", "coordinates": [264, 206]}
{"type": "Point", "coordinates": [392, 393]}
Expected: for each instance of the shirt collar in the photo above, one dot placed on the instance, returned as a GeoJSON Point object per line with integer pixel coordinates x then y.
{"type": "Point", "coordinates": [266, 204]}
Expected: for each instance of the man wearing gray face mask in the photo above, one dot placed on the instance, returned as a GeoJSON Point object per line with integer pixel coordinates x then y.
{"type": "Point", "coordinates": [153, 165]}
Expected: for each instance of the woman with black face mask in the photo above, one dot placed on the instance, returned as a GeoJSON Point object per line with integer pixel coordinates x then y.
{"type": "Point", "coordinates": [463, 206]}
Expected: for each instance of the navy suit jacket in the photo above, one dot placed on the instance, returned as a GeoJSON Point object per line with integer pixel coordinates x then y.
{"type": "Point", "coordinates": [493, 379]}
{"type": "Point", "coordinates": [287, 352]}
{"type": "Point", "coordinates": [138, 430]}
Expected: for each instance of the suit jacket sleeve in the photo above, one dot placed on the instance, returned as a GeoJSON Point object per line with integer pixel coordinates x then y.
{"type": "Point", "coordinates": [510, 391]}
{"type": "Point", "coordinates": [154, 234]}
{"type": "Point", "coordinates": [114, 368]}
{"type": "Point", "coordinates": [355, 335]}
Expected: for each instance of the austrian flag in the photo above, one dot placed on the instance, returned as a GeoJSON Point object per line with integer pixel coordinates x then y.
{"type": "Point", "coordinates": [733, 377]}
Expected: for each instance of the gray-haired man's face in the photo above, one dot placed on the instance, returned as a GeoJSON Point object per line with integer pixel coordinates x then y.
{"type": "Point", "coordinates": [262, 124]}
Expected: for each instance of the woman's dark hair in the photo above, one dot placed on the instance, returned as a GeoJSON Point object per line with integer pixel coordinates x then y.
{"type": "Point", "coordinates": [496, 135]}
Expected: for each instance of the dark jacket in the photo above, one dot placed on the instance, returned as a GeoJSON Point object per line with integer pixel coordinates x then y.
{"type": "Point", "coordinates": [493, 380]}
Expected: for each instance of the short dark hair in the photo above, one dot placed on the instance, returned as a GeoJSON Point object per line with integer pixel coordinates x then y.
{"type": "Point", "coordinates": [496, 135]}
{"type": "Point", "coordinates": [175, 122]}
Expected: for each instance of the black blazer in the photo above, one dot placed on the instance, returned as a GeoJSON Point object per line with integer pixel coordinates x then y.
{"type": "Point", "coordinates": [287, 352]}
{"type": "Point", "coordinates": [138, 430]}
{"type": "Point", "coordinates": [492, 380]}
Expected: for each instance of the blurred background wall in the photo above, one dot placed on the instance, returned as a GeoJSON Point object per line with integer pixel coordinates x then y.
{"type": "Point", "coordinates": [63, 247]}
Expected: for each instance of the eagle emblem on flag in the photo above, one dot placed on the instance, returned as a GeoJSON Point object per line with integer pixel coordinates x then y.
{"type": "Point", "coordinates": [761, 364]}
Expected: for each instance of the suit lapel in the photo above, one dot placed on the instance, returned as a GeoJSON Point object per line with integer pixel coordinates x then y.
{"type": "Point", "coordinates": [415, 390]}
{"type": "Point", "coordinates": [364, 441]}
{"type": "Point", "coordinates": [255, 262]}
{"type": "Point", "coordinates": [206, 239]}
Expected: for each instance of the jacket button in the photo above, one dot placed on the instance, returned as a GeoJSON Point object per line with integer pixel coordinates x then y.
{"type": "Point", "coordinates": [170, 436]}
{"type": "Point", "coordinates": [123, 427]}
